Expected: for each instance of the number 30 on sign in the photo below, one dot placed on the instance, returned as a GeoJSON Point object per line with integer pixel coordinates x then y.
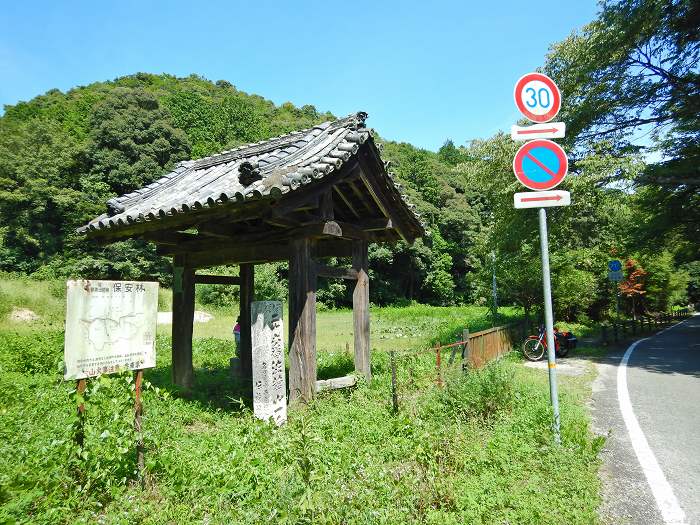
{"type": "Point", "coordinates": [537, 97]}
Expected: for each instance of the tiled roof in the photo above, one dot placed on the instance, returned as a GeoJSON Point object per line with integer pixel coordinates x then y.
{"type": "Point", "coordinates": [266, 169]}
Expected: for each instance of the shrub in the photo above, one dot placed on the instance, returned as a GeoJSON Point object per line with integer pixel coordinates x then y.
{"type": "Point", "coordinates": [481, 393]}
{"type": "Point", "coordinates": [36, 353]}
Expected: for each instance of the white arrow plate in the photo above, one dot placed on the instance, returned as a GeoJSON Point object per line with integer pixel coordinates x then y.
{"type": "Point", "coordinates": [549, 130]}
{"type": "Point", "coordinates": [541, 199]}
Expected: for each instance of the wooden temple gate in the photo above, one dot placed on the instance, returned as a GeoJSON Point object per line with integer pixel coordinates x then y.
{"type": "Point", "coordinates": [302, 197]}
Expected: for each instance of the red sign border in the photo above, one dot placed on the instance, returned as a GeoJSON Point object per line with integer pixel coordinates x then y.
{"type": "Point", "coordinates": [556, 106]}
{"type": "Point", "coordinates": [541, 186]}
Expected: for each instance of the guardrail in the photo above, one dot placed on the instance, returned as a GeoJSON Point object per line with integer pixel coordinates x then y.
{"type": "Point", "coordinates": [616, 330]}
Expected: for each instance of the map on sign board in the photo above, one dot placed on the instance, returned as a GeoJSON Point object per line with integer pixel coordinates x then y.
{"type": "Point", "coordinates": [110, 326]}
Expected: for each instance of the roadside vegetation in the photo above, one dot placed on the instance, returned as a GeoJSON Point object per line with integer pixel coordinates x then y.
{"type": "Point", "coordinates": [479, 450]}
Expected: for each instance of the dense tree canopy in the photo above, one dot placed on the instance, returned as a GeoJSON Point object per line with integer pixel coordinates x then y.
{"type": "Point", "coordinates": [631, 91]}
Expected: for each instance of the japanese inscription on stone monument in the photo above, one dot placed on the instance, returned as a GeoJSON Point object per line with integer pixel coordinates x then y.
{"type": "Point", "coordinates": [269, 387]}
{"type": "Point", "coordinates": [110, 326]}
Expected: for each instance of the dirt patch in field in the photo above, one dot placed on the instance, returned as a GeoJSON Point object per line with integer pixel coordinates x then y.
{"type": "Point", "coordinates": [23, 315]}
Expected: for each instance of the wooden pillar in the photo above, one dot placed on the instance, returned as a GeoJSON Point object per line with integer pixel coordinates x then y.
{"type": "Point", "coordinates": [302, 322]}
{"type": "Point", "coordinates": [360, 309]}
{"type": "Point", "coordinates": [247, 296]}
{"type": "Point", "coordinates": [183, 318]}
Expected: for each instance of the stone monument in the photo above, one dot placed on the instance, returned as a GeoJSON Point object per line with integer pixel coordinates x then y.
{"type": "Point", "coordinates": [269, 386]}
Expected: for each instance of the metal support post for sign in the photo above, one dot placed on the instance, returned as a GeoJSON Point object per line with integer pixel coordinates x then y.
{"type": "Point", "coordinates": [138, 409]}
{"type": "Point", "coordinates": [549, 324]}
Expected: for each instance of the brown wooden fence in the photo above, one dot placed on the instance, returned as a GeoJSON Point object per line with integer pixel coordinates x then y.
{"type": "Point", "coordinates": [477, 349]}
{"type": "Point", "coordinates": [487, 345]}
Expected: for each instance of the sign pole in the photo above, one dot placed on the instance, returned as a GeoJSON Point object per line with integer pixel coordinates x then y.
{"type": "Point", "coordinates": [80, 434]}
{"type": "Point", "coordinates": [549, 324]}
{"type": "Point", "coordinates": [138, 409]}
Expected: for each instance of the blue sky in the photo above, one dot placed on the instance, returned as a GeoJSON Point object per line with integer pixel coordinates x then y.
{"type": "Point", "coordinates": [424, 71]}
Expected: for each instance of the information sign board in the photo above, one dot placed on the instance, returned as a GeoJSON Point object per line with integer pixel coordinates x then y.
{"type": "Point", "coordinates": [110, 326]}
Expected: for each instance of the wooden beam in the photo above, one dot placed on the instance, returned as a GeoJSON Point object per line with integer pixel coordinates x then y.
{"type": "Point", "coordinates": [323, 270]}
{"type": "Point", "coordinates": [245, 352]}
{"type": "Point", "coordinates": [183, 319]}
{"type": "Point", "coordinates": [283, 222]}
{"type": "Point", "coordinates": [317, 229]}
{"type": "Point", "coordinates": [217, 279]}
{"type": "Point", "coordinates": [352, 231]}
{"type": "Point", "coordinates": [346, 201]}
{"type": "Point", "coordinates": [326, 205]}
{"type": "Point", "coordinates": [232, 254]}
{"type": "Point", "coordinates": [169, 237]}
{"type": "Point", "coordinates": [267, 252]}
{"type": "Point", "coordinates": [379, 223]}
{"type": "Point", "coordinates": [361, 197]}
{"type": "Point", "coordinates": [360, 309]}
{"type": "Point", "coordinates": [302, 322]}
{"type": "Point", "coordinates": [335, 383]}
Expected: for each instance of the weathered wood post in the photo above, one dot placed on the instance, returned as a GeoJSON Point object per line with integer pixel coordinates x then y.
{"type": "Point", "coordinates": [360, 309]}
{"type": "Point", "coordinates": [302, 322]}
{"type": "Point", "coordinates": [138, 412]}
{"type": "Point", "coordinates": [247, 273]}
{"type": "Point", "coordinates": [465, 349]}
{"type": "Point", "coordinates": [183, 318]}
{"type": "Point", "coordinates": [394, 394]}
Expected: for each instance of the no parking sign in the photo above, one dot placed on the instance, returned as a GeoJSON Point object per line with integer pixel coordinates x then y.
{"type": "Point", "coordinates": [540, 164]}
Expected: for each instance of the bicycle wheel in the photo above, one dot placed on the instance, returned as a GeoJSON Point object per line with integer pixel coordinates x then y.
{"type": "Point", "coordinates": [533, 349]}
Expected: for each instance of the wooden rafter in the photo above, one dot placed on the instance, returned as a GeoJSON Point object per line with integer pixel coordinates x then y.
{"type": "Point", "coordinates": [346, 201]}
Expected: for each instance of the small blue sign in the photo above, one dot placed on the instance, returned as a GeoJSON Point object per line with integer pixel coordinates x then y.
{"type": "Point", "coordinates": [614, 265]}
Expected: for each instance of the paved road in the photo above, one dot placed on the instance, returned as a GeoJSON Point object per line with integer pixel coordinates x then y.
{"type": "Point", "coordinates": [663, 382]}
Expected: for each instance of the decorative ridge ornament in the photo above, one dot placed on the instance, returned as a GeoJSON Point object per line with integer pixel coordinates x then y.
{"type": "Point", "coordinates": [248, 173]}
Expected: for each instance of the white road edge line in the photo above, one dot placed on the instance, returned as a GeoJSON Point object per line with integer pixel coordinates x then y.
{"type": "Point", "coordinates": [663, 492]}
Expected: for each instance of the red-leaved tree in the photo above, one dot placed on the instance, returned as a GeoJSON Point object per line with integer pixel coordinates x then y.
{"type": "Point", "coordinates": [633, 286]}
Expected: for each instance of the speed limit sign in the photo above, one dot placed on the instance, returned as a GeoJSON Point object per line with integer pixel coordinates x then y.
{"type": "Point", "coordinates": [537, 97]}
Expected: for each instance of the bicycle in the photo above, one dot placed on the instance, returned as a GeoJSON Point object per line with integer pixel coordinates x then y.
{"type": "Point", "coordinates": [535, 346]}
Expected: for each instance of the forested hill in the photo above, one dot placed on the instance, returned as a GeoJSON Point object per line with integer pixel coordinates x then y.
{"type": "Point", "coordinates": [63, 155]}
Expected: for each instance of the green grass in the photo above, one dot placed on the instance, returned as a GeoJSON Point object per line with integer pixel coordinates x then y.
{"type": "Point", "coordinates": [477, 451]}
